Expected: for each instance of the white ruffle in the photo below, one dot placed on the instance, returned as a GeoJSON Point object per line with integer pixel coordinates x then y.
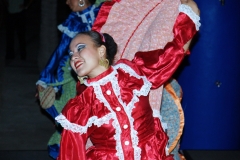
{"type": "Point", "coordinates": [65, 30]}
{"type": "Point", "coordinates": [192, 15]}
{"type": "Point", "coordinates": [156, 114]}
{"type": "Point", "coordinates": [41, 83]}
{"type": "Point", "coordinates": [44, 85]}
{"type": "Point", "coordinates": [116, 125]}
{"type": "Point", "coordinates": [66, 124]}
{"type": "Point", "coordinates": [85, 19]}
{"type": "Point", "coordinates": [127, 107]}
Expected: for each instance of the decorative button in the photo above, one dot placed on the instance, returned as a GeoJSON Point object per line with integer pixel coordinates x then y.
{"type": "Point", "coordinates": [126, 143]}
{"type": "Point", "coordinates": [118, 109]}
{"type": "Point", "coordinates": [108, 92]}
{"type": "Point", "coordinates": [125, 126]}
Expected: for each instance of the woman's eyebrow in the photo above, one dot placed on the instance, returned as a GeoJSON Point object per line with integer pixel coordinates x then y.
{"type": "Point", "coordinates": [79, 44]}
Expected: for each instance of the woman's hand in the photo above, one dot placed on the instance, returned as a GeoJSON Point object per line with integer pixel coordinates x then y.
{"type": "Point", "coordinates": [38, 89]}
{"type": "Point", "coordinates": [192, 4]}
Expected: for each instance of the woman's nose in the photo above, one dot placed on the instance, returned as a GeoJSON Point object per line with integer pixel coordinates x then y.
{"type": "Point", "coordinates": [74, 56]}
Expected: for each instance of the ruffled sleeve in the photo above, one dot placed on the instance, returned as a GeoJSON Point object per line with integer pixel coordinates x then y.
{"type": "Point", "coordinates": [75, 121]}
{"type": "Point", "coordinates": [60, 55]}
{"type": "Point", "coordinates": [159, 65]}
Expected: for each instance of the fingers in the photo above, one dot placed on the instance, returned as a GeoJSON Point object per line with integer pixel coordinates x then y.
{"type": "Point", "coordinates": [40, 88]}
{"type": "Point", "coordinates": [37, 95]}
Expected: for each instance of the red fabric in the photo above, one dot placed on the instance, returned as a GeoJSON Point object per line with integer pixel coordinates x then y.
{"type": "Point", "coordinates": [103, 15]}
{"type": "Point", "coordinates": [152, 140]}
{"type": "Point", "coordinates": [80, 87]}
{"type": "Point", "coordinates": [159, 65]}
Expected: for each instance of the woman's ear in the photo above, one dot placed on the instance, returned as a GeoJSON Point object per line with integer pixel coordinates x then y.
{"type": "Point", "coordinates": [102, 51]}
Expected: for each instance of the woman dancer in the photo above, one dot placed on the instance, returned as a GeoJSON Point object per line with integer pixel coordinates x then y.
{"type": "Point", "coordinates": [114, 110]}
{"type": "Point", "coordinates": [147, 27]}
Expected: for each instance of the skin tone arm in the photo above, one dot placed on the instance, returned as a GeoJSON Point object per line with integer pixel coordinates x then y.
{"type": "Point", "coordinates": [194, 7]}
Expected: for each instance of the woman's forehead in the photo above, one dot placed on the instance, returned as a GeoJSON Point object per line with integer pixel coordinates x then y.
{"type": "Point", "coordinates": [81, 39]}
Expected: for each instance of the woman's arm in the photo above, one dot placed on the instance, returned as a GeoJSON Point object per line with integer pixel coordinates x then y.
{"type": "Point", "coordinates": [159, 65]}
{"type": "Point", "coordinates": [48, 74]}
{"type": "Point", "coordinates": [76, 129]}
{"type": "Point", "coordinates": [72, 146]}
{"type": "Point", "coordinates": [195, 9]}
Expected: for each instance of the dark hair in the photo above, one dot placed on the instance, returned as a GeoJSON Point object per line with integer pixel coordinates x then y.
{"type": "Point", "coordinates": [106, 40]}
{"type": "Point", "coordinates": [92, 1]}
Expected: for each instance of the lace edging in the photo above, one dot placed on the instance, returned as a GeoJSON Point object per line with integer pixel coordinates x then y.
{"type": "Point", "coordinates": [115, 123]}
{"type": "Point", "coordinates": [128, 108]}
{"type": "Point", "coordinates": [66, 31]}
{"type": "Point", "coordinates": [41, 83]}
{"type": "Point", "coordinates": [156, 114]}
{"type": "Point", "coordinates": [66, 124]}
{"type": "Point", "coordinates": [192, 15]}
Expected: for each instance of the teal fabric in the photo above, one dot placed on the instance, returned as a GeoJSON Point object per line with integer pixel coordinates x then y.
{"type": "Point", "coordinates": [170, 115]}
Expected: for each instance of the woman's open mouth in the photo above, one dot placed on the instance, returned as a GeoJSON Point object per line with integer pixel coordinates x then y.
{"type": "Point", "coordinates": [78, 64]}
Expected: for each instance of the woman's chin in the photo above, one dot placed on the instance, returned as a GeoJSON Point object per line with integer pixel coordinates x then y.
{"type": "Point", "coordinates": [81, 74]}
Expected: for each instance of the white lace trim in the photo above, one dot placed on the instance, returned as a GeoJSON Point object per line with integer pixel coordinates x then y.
{"type": "Point", "coordinates": [192, 15]}
{"type": "Point", "coordinates": [147, 85]}
{"type": "Point", "coordinates": [127, 108]}
{"type": "Point", "coordinates": [66, 124]}
{"type": "Point", "coordinates": [44, 85]}
{"type": "Point", "coordinates": [84, 20]}
{"type": "Point", "coordinates": [41, 83]}
{"type": "Point", "coordinates": [98, 92]}
{"type": "Point", "coordinates": [116, 125]}
{"type": "Point", "coordinates": [65, 30]}
{"type": "Point", "coordinates": [156, 114]}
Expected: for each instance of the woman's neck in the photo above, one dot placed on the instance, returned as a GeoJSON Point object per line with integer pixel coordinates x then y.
{"type": "Point", "coordinates": [97, 72]}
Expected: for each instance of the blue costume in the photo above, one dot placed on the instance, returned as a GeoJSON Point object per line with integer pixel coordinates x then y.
{"type": "Point", "coordinates": [58, 72]}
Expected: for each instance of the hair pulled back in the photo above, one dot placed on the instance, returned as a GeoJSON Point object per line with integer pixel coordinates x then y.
{"type": "Point", "coordinates": [106, 40]}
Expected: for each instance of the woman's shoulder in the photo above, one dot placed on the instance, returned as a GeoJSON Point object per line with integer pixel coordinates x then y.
{"type": "Point", "coordinates": [126, 65]}
{"type": "Point", "coordinates": [78, 105]}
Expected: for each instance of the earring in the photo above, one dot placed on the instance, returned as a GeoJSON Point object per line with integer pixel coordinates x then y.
{"type": "Point", "coordinates": [81, 3]}
{"type": "Point", "coordinates": [104, 62]}
{"type": "Point", "coordinates": [81, 79]}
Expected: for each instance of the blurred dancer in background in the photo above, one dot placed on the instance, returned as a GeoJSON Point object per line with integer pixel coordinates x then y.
{"type": "Point", "coordinates": [57, 77]}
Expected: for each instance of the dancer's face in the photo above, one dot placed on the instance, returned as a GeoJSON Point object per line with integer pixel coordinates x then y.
{"type": "Point", "coordinates": [85, 56]}
{"type": "Point", "coordinates": [73, 5]}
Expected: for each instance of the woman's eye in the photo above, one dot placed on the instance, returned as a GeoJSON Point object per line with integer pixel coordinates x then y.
{"type": "Point", "coordinates": [80, 47]}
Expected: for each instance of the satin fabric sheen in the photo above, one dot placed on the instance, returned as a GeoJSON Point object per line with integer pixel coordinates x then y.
{"type": "Point", "coordinates": [158, 68]}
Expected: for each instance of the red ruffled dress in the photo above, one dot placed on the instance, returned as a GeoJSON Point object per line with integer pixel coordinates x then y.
{"type": "Point", "coordinates": [114, 110]}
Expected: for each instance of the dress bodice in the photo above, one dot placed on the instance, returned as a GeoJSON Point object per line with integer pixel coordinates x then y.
{"type": "Point", "coordinates": [114, 109]}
